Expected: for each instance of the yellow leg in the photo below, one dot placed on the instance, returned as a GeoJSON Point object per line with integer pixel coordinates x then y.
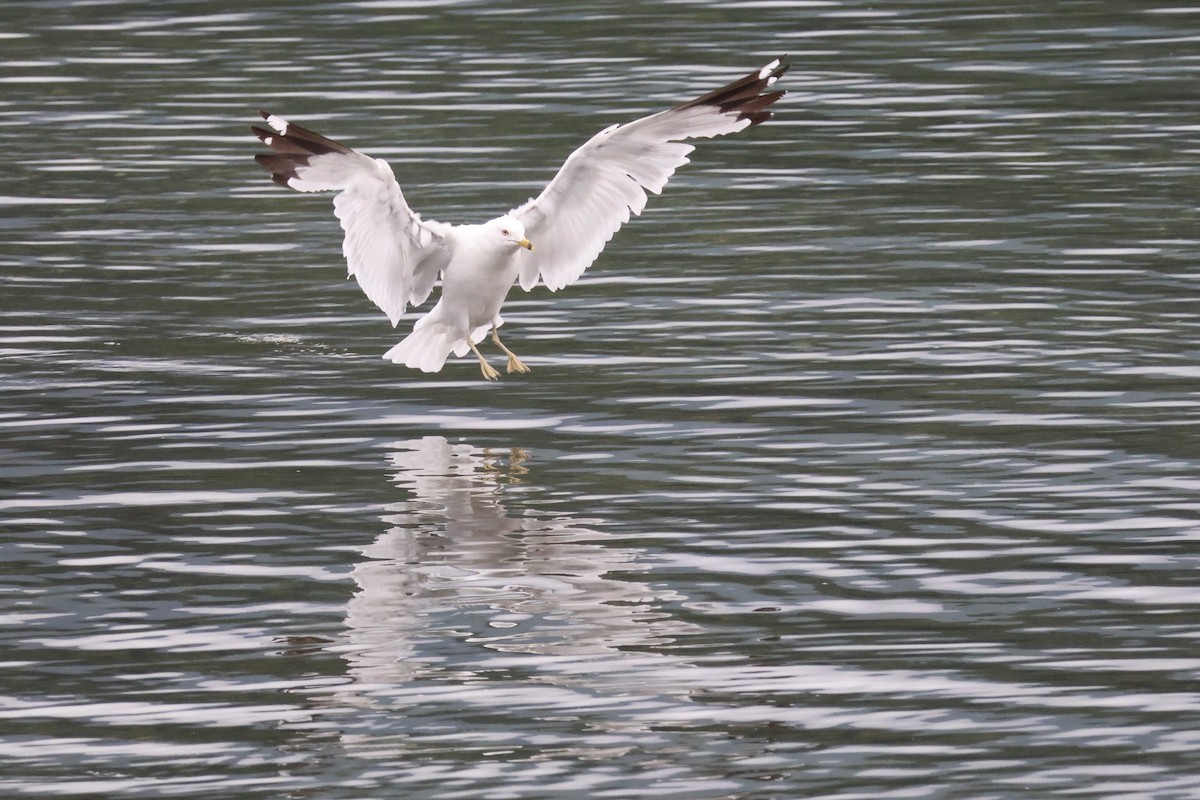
{"type": "Point", "coordinates": [489, 372]}
{"type": "Point", "coordinates": [514, 364]}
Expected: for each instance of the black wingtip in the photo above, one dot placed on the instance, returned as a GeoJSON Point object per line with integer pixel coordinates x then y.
{"type": "Point", "coordinates": [281, 167]}
{"type": "Point", "coordinates": [293, 147]}
{"type": "Point", "coordinates": [294, 139]}
{"type": "Point", "coordinates": [747, 97]}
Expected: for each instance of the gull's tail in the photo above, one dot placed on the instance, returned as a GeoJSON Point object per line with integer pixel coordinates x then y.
{"type": "Point", "coordinates": [432, 342]}
{"type": "Point", "coordinates": [427, 347]}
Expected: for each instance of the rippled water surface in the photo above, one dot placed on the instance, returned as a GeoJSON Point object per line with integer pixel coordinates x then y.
{"type": "Point", "coordinates": [865, 464]}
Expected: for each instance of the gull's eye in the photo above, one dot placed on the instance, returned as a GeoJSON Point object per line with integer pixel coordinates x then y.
{"type": "Point", "coordinates": [504, 232]}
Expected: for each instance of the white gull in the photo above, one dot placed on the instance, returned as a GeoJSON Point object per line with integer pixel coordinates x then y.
{"type": "Point", "coordinates": [397, 257]}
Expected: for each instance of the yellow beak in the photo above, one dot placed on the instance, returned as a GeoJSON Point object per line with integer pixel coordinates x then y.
{"type": "Point", "coordinates": [524, 242]}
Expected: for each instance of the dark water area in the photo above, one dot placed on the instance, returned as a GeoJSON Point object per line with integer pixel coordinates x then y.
{"type": "Point", "coordinates": [864, 464]}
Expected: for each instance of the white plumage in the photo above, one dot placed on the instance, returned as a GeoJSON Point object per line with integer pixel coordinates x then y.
{"type": "Point", "coordinates": [397, 257]}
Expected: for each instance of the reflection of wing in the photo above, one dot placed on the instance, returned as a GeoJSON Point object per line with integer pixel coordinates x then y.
{"type": "Point", "coordinates": [607, 178]}
{"type": "Point", "coordinates": [395, 255]}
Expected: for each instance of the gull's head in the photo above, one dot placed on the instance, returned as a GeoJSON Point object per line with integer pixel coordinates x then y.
{"type": "Point", "coordinates": [510, 229]}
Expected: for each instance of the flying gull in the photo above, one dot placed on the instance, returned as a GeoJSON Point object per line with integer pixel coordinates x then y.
{"type": "Point", "coordinates": [397, 256]}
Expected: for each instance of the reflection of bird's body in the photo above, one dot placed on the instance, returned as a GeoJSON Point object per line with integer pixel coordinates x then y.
{"type": "Point", "coordinates": [397, 256]}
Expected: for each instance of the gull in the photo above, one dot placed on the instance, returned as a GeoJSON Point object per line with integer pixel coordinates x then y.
{"type": "Point", "coordinates": [553, 238]}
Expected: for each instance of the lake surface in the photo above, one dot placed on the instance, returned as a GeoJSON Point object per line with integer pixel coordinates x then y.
{"type": "Point", "coordinates": [865, 464]}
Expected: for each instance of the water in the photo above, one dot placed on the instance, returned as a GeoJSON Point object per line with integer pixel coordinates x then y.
{"type": "Point", "coordinates": [863, 465]}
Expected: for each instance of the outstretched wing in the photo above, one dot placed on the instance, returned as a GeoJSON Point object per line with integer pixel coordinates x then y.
{"type": "Point", "coordinates": [607, 178]}
{"type": "Point", "coordinates": [395, 255]}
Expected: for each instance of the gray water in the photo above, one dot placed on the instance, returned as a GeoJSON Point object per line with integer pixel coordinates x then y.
{"type": "Point", "coordinates": [865, 464]}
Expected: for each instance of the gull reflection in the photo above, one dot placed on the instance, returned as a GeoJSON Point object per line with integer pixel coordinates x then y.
{"type": "Point", "coordinates": [460, 583]}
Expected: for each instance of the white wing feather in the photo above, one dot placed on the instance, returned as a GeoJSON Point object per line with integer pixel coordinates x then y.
{"type": "Point", "coordinates": [394, 254]}
{"type": "Point", "coordinates": [606, 179]}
